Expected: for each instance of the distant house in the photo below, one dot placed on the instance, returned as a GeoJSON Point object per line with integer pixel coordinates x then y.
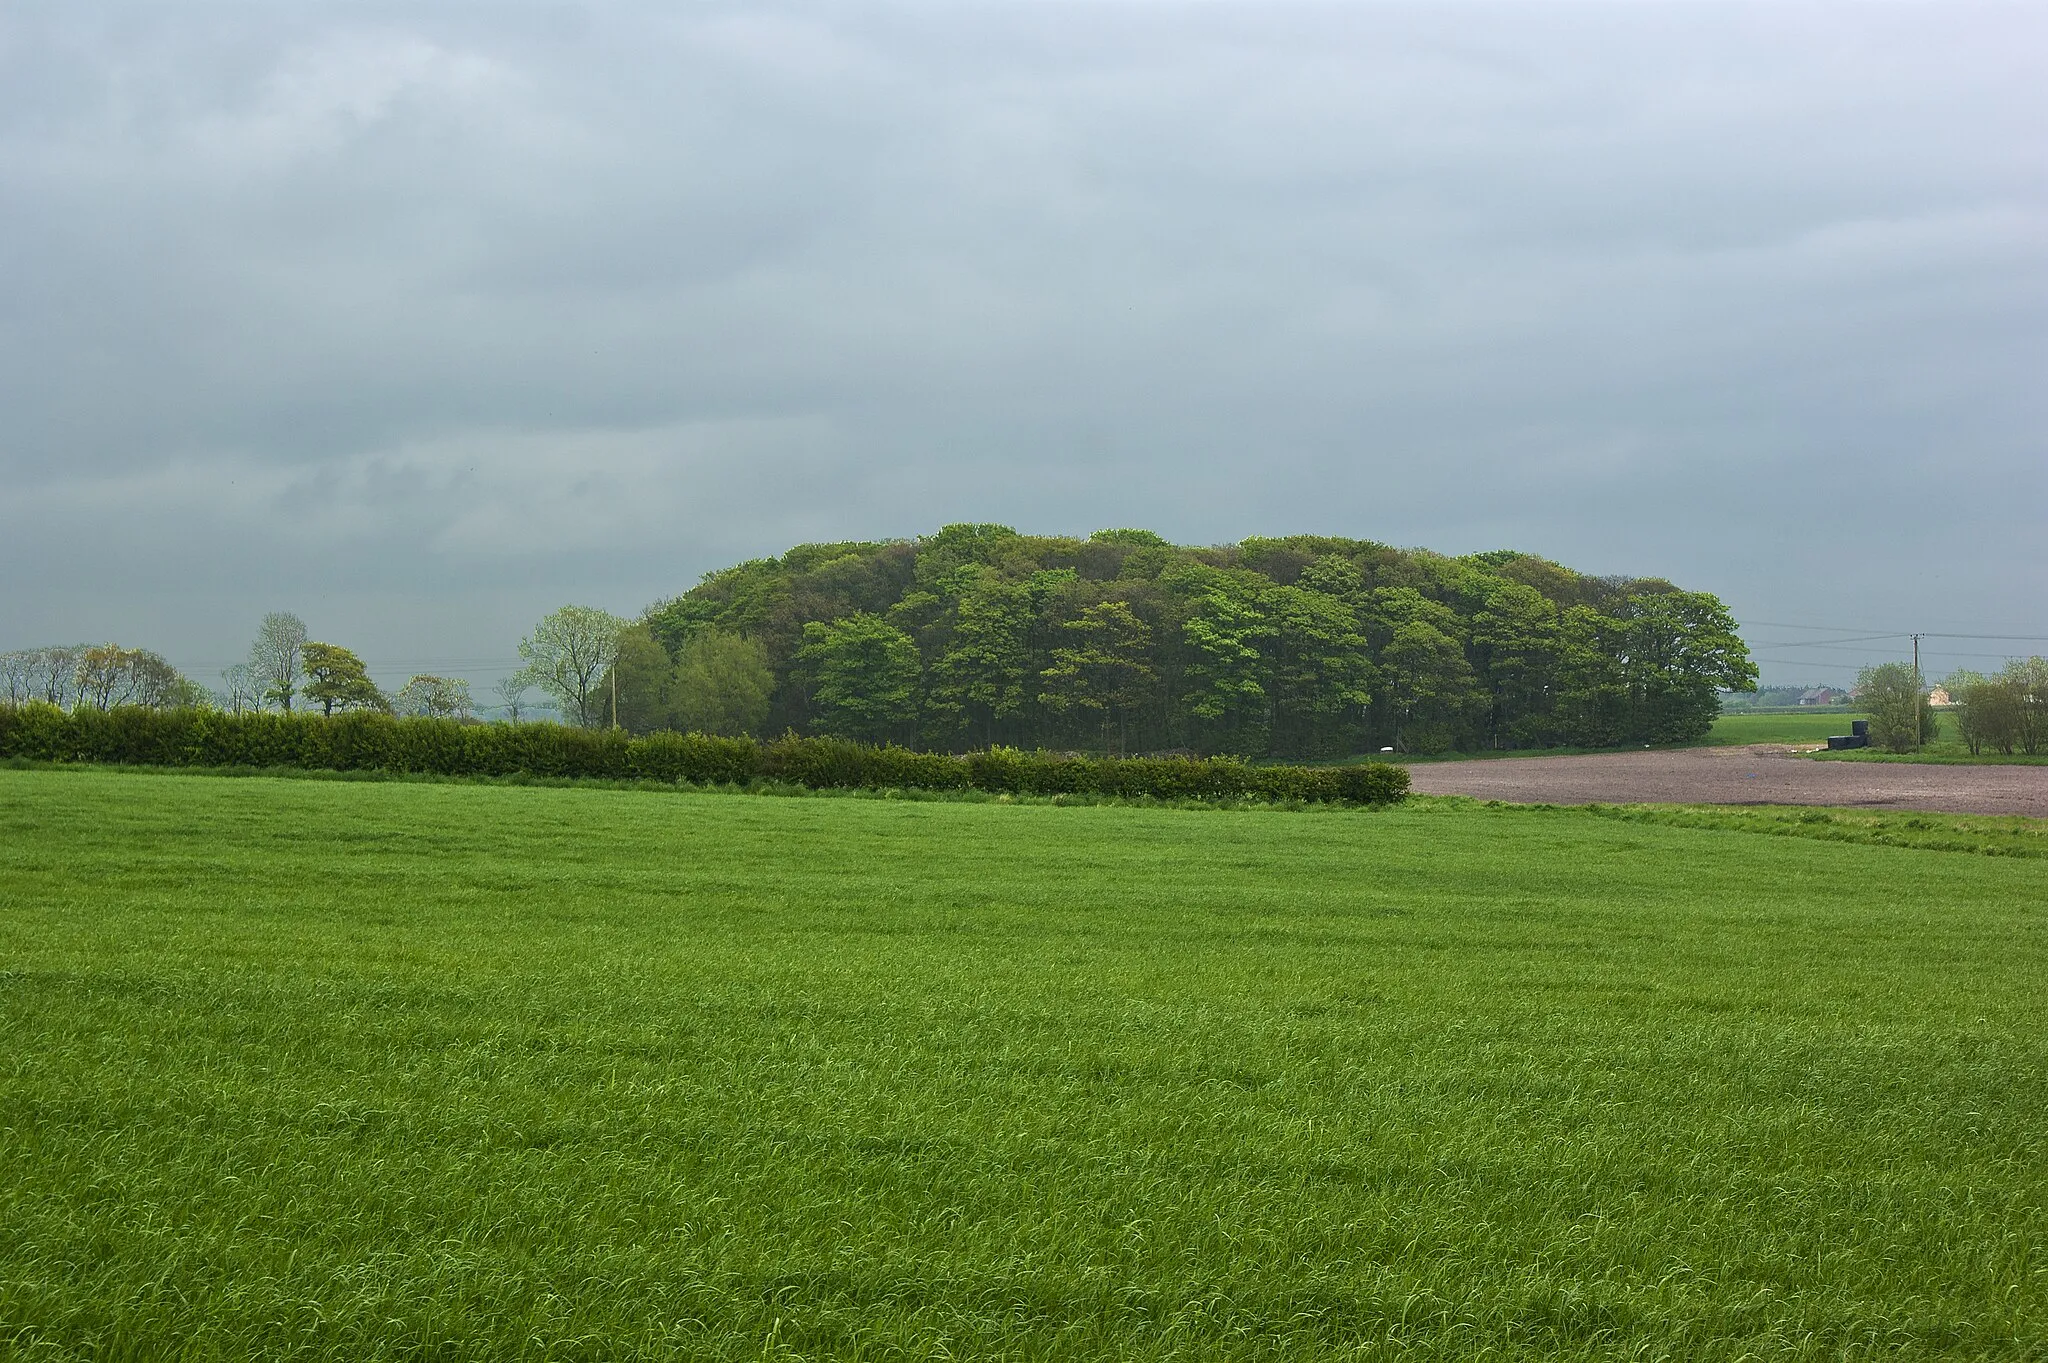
{"type": "Point", "coordinates": [1819, 695]}
{"type": "Point", "coordinates": [1939, 696]}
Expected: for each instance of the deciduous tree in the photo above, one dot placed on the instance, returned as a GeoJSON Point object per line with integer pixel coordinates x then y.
{"type": "Point", "coordinates": [276, 658]}
{"type": "Point", "coordinates": [1894, 695]}
{"type": "Point", "coordinates": [337, 680]}
{"type": "Point", "coordinates": [567, 655]}
{"type": "Point", "coordinates": [1102, 668]}
{"type": "Point", "coordinates": [863, 674]}
{"type": "Point", "coordinates": [430, 697]}
{"type": "Point", "coordinates": [722, 685]}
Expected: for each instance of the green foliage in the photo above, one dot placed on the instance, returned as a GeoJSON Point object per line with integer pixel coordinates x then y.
{"type": "Point", "coordinates": [367, 741]}
{"type": "Point", "coordinates": [863, 676]}
{"type": "Point", "coordinates": [719, 685]}
{"type": "Point", "coordinates": [2007, 712]}
{"type": "Point", "coordinates": [430, 697]}
{"type": "Point", "coordinates": [980, 676]}
{"type": "Point", "coordinates": [1101, 667]}
{"type": "Point", "coordinates": [568, 655]}
{"type": "Point", "coordinates": [722, 686]}
{"type": "Point", "coordinates": [1305, 645]}
{"type": "Point", "coordinates": [337, 680]}
{"type": "Point", "coordinates": [368, 1072]}
{"type": "Point", "coordinates": [1895, 697]}
{"type": "Point", "coordinates": [108, 675]}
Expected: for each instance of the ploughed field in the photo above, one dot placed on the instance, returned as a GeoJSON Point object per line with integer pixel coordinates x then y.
{"type": "Point", "coordinates": [318, 1069]}
{"type": "Point", "coordinates": [1753, 774]}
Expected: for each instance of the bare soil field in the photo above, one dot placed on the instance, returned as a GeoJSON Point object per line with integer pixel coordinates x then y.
{"type": "Point", "coordinates": [1758, 774]}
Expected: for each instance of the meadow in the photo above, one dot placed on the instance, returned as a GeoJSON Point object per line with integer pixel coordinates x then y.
{"type": "Point", "coordinates": [395, 1070]}
{"type": "Point", "coordinates": [1739, 727]}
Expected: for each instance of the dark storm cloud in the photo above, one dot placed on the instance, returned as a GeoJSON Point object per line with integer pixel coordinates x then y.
{"type": "Point", "coordinates": [420, 320]}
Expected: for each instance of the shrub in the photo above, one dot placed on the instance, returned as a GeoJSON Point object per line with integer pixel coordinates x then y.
{"type": "Point", "coordinates": [370, 741]}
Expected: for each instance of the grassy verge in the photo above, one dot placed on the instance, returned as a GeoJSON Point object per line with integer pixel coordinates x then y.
{"type": "Point", "coordinates": [345, 1070]}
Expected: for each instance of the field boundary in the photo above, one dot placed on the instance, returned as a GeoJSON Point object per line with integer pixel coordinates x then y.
{"type": "Point", "coordinates": [760, 788]}
{"type": "Point", "coordinates": [440, 747]}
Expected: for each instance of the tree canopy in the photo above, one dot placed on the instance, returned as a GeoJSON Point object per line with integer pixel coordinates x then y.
{"type": "Point", "coordinates": [1300, 646]}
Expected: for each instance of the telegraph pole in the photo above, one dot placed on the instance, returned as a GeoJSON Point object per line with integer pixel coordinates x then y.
{"type": "Point", "coordinates": [1919, 694]}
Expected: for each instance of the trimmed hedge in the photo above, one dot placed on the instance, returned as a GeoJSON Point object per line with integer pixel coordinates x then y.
{"type": "Point", "coordinates": [441, 747]}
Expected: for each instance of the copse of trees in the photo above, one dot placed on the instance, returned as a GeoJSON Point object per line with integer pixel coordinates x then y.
{"type": "Point", "coordinates": [96, 676]}
{"type": "Point", "coordinates": [1304, 646]}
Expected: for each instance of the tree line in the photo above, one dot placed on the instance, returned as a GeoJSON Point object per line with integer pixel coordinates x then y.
{"type": "Point", "coordinates": [1303, 646]}
{"type": "Point", "coordinates": [2004, 712]}
{"type": "Point", "coordinates": [285, 668]}
{"type": "Point", "coordinates": [978, 637]}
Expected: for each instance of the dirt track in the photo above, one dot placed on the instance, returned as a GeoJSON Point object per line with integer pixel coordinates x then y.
{"type": "Point", "coordinates": [1765, 774]}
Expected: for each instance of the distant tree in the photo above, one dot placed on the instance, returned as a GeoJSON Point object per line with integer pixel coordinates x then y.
{"type": "Point", "coordinates": [155, 684]}
{"type": "Point", "coordinates": [1102, 668]}
{"type": "Point", "coordinates": [721, 685]}
{"type": "Point", "coordinates": [980, 677]}
{"type": "Point", "coordinates": [17, 676]}
{"type": "Point", "coordinates": [568, 655]}
{"type": "Point", "coordinates": [1894, 695]}
{"type": "Point", "coordinates": [431, 697]}
{"type": "Point", "coordinates": [108, 675]}
{"type": "Point", "coordinates": [1317, 669]}
{"type": "Point", "coordinates": [102, 677]}
{"type": "Point", "coordinates": [1225, 633]}
{"type": "Point", "coordinates": [1993, 715]}
{"type": "Point", "coordinates": [863, 674]}
{"type": "Point", "coordinates": [1430, 685]}
{"type": "Point", "coordinates": [2027, 681]}
{"type": "Point", "coordinates": [511, 693]}
{"type": "Point", "coordinates": [54, 673]}
{"type": "Point", "coordinates": [1680, 651]}
{"type": "Point", "coordinates": [641, 678]}
{"type": "Point", "coordinates": [1515, 643]}
{"type": "Point", "coordinates": [240, 690]}
{"type": "Point", "coordinates": [276, 658]}
{"type": "Point", "coordinates": [337, 680]}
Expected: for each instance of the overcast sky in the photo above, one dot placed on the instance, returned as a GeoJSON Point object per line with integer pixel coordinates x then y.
{"type": "Point", "coordinates": [423, 319]}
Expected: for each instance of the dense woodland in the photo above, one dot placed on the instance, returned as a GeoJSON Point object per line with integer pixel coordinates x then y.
{"type": "Point", "coordinates": [1306, 646]}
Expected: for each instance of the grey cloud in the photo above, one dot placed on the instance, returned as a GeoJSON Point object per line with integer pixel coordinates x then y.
{"type": "Point", "coordinates": [434, 316]}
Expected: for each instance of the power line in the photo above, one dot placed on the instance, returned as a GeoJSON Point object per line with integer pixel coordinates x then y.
{"type": "Point", "coordinates": [1885, 634]}
{"type": "Point", "coordinates": [1825, 643]}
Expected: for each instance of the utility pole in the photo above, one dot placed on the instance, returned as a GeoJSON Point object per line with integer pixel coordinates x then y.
{"type": "Point", "coordinates": [1919, 694]}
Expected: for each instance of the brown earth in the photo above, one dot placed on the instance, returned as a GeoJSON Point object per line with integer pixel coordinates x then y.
{"type": "Point", "coordinates": [1762, 774]}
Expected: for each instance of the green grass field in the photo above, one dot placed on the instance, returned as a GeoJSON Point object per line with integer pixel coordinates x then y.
{"type": "Point", "coordinates": [1737, 727]}
{"type": "Point", "coordinates": [305, 1069]}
